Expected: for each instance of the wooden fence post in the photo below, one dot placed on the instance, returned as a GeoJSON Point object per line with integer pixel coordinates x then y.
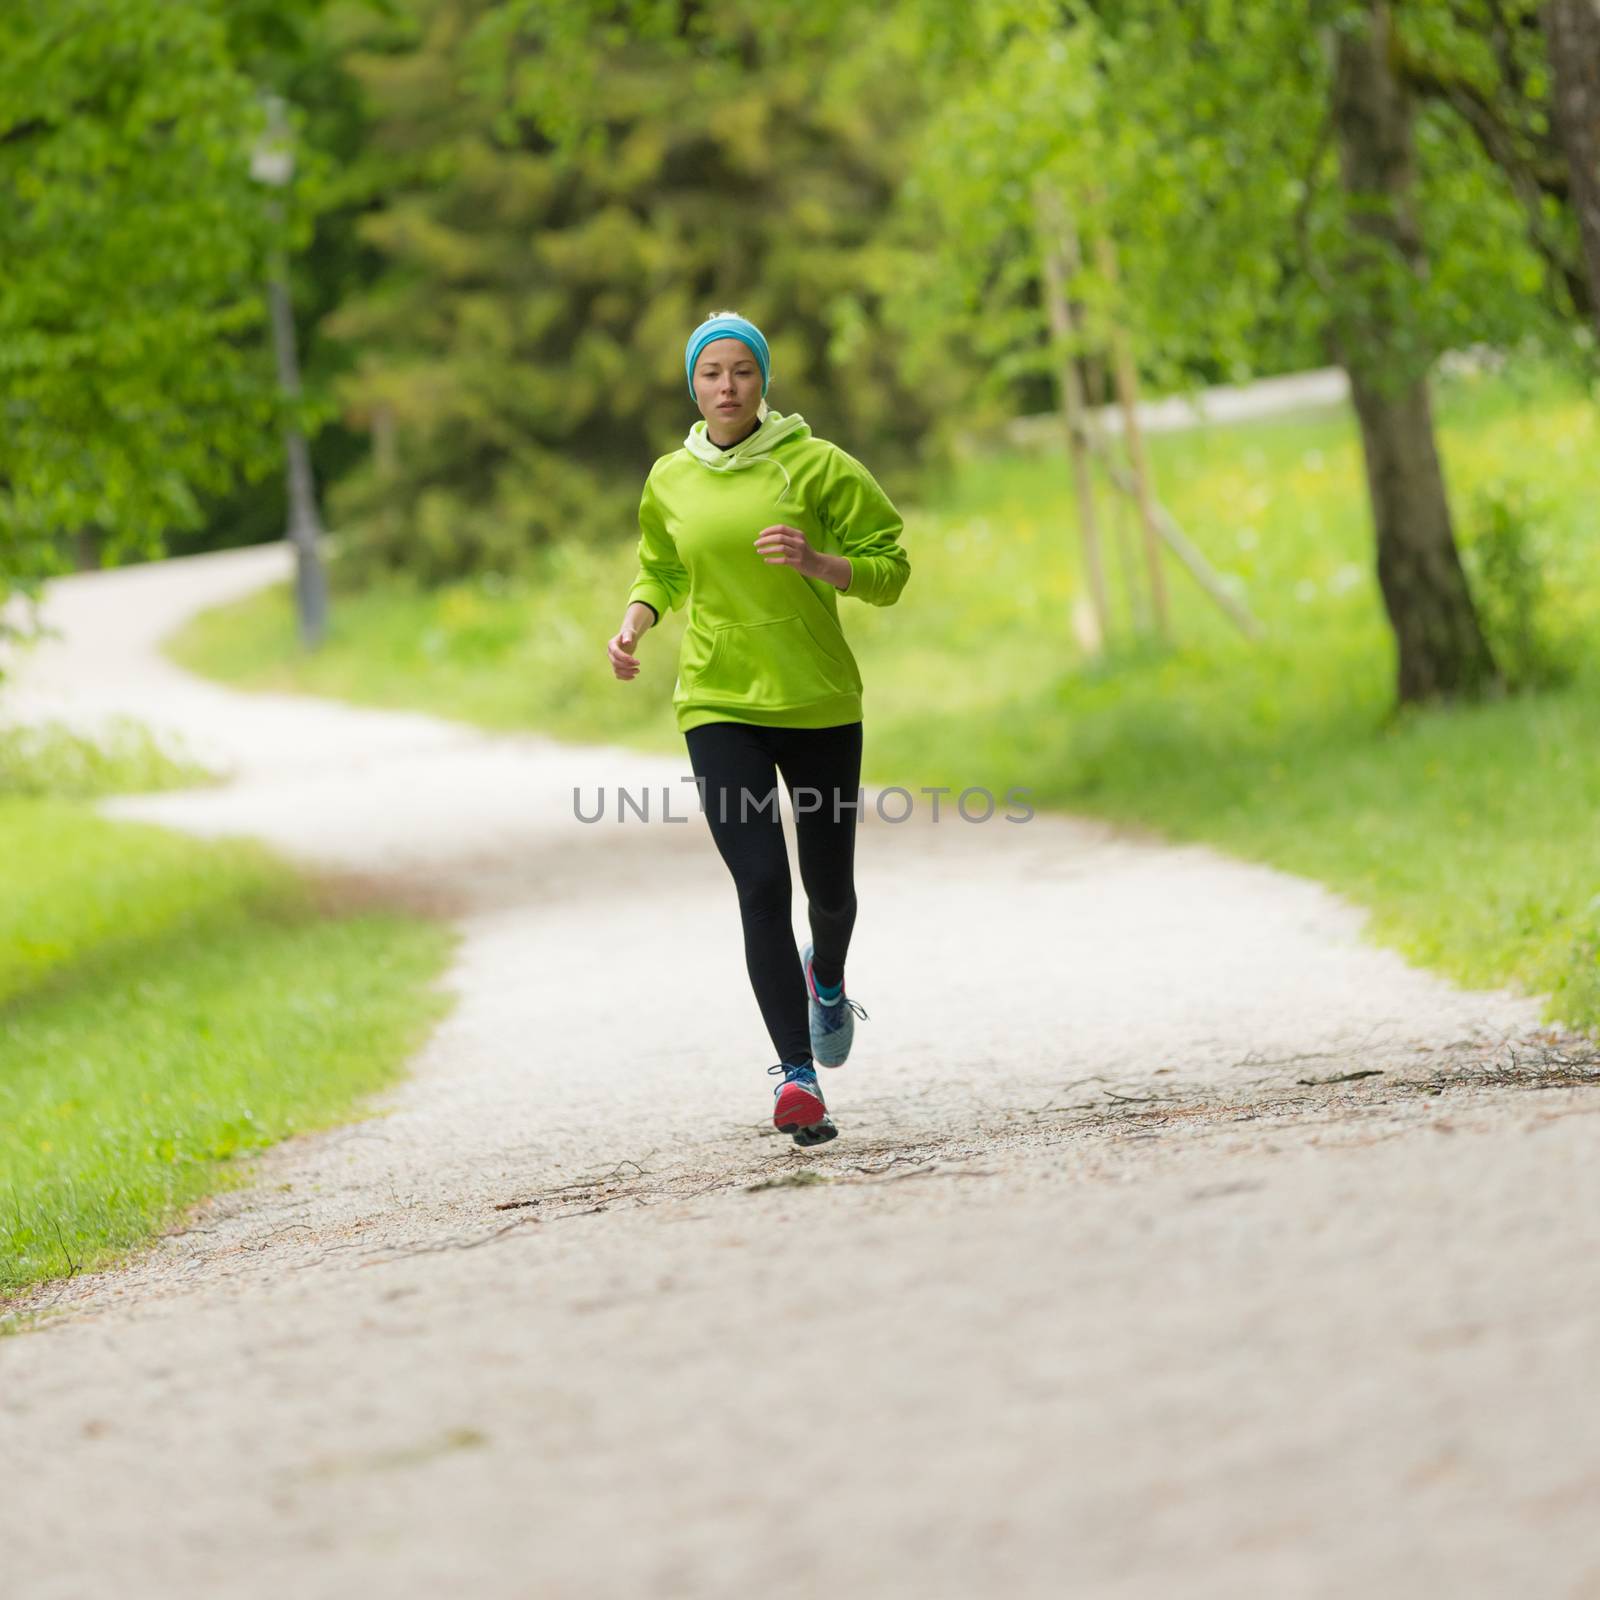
{"type": "Point", "coordinates": [1133, 442]}
{"type": "Point", "coordinates": [1056, 251]}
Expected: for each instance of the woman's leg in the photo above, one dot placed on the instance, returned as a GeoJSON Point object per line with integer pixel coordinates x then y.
{"type": "Point", "coordinates": [739, 784]}
{"type": "Point", "coordinates": [824, 764]}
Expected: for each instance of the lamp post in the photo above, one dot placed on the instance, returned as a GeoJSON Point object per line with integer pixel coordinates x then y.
{"type": "Point", "coordinates": [272, 163]}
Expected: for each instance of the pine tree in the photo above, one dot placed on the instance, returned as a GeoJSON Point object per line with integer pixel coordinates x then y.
{"type": "Point", "coordinates": [549, 249]}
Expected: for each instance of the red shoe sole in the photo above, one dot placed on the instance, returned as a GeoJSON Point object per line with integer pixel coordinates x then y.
{"type": "Point", "coordinates": [797, 1108]}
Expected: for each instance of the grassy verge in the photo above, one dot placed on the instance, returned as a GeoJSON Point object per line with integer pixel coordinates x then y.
{"type": "Point", "coordinates": [168, 1006]}
{"type": "Point", "coordinates": [1468, 832]}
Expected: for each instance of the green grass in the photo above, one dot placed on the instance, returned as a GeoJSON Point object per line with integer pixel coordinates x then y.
{"type": "Point", "coordinates": [1469, 832]}
{"type": "Point", "coordinates": [168, 1006]}
{"type": "Point", "coordinates": [121, 757]}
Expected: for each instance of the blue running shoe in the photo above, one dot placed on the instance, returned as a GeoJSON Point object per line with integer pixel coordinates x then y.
{"type": "Point", "coordinates": [833, 1026]}
{"type": "Point", "coordinates": [799, 1110]}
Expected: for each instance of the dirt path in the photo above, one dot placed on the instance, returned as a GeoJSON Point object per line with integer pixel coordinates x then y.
{"type": "Point", "coordinates": [1096, 1294]}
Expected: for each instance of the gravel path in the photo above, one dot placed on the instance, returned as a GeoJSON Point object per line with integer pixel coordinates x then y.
{"type": "Point", "coordinates": [1096, 1294]}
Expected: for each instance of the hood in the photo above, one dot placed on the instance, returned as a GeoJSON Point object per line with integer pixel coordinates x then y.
{"type": "Point", "coordinates": [756, 451]}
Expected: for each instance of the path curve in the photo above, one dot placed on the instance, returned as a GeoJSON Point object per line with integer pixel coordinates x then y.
{"type": "Point", "coordinates": [1156, 1314]}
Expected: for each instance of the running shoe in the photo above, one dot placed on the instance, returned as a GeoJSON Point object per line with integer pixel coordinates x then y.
{"type": "Point", "coordinates": [800, 1111]}
{"type": "Point", "coordinates": [833, 1025]}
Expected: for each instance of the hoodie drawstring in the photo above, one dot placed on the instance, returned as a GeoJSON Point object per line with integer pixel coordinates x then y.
{"type": "Point", "coordinates": [787, 484]}
{"type": "Point", "coordinates": [718, 461]}
{"type": "Point", "coordinates": [733, 463]}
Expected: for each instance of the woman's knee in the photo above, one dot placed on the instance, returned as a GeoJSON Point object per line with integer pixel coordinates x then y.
{"type": "Point", "coordinates": [765, 890]}
{"type": "Point", "coordinates": [839, 905]}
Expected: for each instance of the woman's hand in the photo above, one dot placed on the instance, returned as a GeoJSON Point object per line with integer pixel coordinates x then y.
{"type": "Point", "coordinates": [783, 546]}
{"type": "Point", "coordinates": [637, 621]}
{"type": "Point", "coordinates": [620, 650]}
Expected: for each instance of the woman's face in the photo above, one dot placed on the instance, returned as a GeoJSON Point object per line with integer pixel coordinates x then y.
{"type": "Point", "coordinates": [727, 388]}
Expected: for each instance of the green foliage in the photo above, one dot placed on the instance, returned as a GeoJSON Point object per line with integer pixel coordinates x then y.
{"type": "Point", "coordinates": [1578, 980]}
{"type": "Point", "coordinates": [132, 377]}
{"type": "Point", "coordinates": [1023, 105]}
{"type": "Point", "coordinates": [548, 249]}
{"type": "Point", "coordinates": [122, 757]}
{"type": "Point", "coordinates": [1223, 210]}
{"type": "Point", "coordinates": [1199, 138]}
{"type": "Point", "coordinates": [298, 48]}
{"type": "Point", "coordinates": [1506, 555]}
{"type": "Point", "coordinates": [521, 207]}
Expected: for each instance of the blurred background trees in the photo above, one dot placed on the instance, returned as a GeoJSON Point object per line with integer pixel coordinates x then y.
{"type": "Point", "coordinates": [549, 227]}
{"type": "Point", "coordinates": [130, 239]}
{"type": "Point", "coordinates": [513, 212]}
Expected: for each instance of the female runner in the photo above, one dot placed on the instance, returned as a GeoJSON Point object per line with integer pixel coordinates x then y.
{"type": "Point", "coordinates": [758, 526]}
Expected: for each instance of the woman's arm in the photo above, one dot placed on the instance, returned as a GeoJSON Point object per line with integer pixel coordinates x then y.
{"type": "Point", "coordinates": [868, 528]}
{"type": "Point", "coordinates": [833, 569]}
{"type": "Point", "coordinates": [783, 546]}
{"type": "Point", "coordinates": [662, 582]}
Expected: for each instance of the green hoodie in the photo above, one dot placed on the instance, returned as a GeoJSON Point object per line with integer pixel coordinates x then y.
{"type": "Point", "coordinates": [763, 643]}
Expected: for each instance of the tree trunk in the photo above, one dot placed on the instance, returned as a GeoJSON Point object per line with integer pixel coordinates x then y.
{"type": "Point", "coordinates": [1572, 36]}
{"type": "Point", "coordinates": [1441, 649]}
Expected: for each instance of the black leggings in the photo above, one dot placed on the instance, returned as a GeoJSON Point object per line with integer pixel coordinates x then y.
{"type": "Point", "coordinates": [736, 766]}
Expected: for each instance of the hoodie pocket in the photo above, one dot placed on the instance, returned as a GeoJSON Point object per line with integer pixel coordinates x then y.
{"type": "Point", "coordinates": [773, 664]}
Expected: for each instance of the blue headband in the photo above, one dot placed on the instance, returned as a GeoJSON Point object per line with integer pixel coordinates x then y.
{"type": "Point", "coordinates": [727, 328]}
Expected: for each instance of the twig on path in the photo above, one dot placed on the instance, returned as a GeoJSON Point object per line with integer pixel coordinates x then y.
{"type": "Point", "coordinates": [1343, 1077]}
{"type": "Point", "coordinates": [883, 1166]}
{"type": "Point", "coordinates": [440, 1246]}
{"type": "Point", "coordinates": [266, 1240]}
{"type": "Point", "coordinates": [1255, 1060]}
{"type": "Point", "coordinates": [579, 1184]}
{"type": "Point", "coordinates": [1216, 1191]}
{"type": "Point", "coordinates": [1039, 1111]}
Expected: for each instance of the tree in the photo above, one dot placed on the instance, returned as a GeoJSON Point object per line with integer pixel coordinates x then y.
{"type": "Point", "coordinates": [296, 49]}
{"type": "Point", "coordinates": [565, 192]}
{"type": "Point", "coordinates": [1260, 218]}
{"type": "Point", "coordinates": [1405, 240]}
{"type": "Point", "coordinates": [1441, 650]}
{"type": "Point", "coordinates": [1572, 29]}
{"type": "Point", "coordinates": [131, 247]}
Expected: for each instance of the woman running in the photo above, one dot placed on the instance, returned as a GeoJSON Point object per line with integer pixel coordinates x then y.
{"type": "Point", "coordinates": [759, 526]}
